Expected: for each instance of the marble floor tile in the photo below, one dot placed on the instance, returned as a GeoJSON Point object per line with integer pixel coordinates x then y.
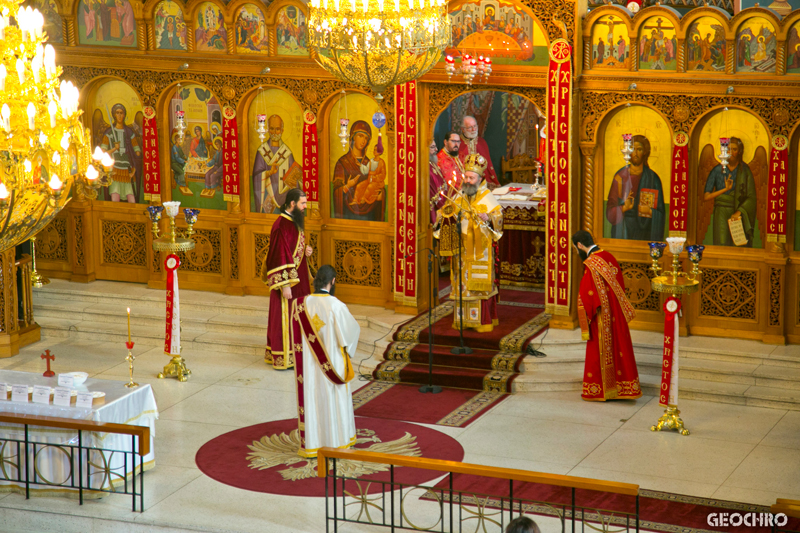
{"type": "Point", "coordinates": [260, 375]}
{"type": "Point", "coordinates": [786, 433]}
{"type": "Point", "coordinates": [178, 441]}
{"type": "Point", "coordinates": [569, 407]}
{"type": "Point", "coordinates": [237, 406]}
{"type": "Point", "coordinates": [711, 420]}
{"type": "Point", "coordinates": [532, 439]}
{"type": "Point", "coordinates": [647, 481]}
{"type": "Point", "coordinates": [769, 469]}
{"type": "Point", "coordinates": [668, 455]}
{"type": "Point", "coordinates": [750, 495]}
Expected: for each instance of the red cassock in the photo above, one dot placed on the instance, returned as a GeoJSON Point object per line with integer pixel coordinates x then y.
{"type": "Point", "coordinates": [285, 264]}
{"type": "Point", "coordinates": [604, 312]}
{"type": "Point", "coordinates": [452, 169]}
{"type": "Point", "coordinates": [483, 149]}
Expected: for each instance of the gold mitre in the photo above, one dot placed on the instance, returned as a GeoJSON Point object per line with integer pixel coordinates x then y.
{"type": "Point", "coordinates": [475, 163]}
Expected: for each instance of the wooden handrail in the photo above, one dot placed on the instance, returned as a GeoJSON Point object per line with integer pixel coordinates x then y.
{"type": "Point", "coordinates": [472, 469]}
{"type": "Point", "coordinates": [142, 432]}
{"type": "Point", "coordinates": [789, 509]}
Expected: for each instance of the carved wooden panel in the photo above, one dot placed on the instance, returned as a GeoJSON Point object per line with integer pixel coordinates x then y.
{"type": "Point", "coordinates": [358, 263]}
{"type": "Point", "coordinates": [51, 242]}
{"type": "Point", "coordinates": [729, 293]}
{"type": "Point", "coordinates": [234, 250]}
{"type": "Point", "coordinates": [157, 260]}
{"type": "Point", "coordinates": [261, 246]}
{"type": "Point", "coordinates": [80, 258]}
{"type": "Point", "coordinates": [637, 278]}
{"type": "Point", "coordinates": [207, 254]}
{"type": "Point", "coordinates": [313, 263]}
{"type": "Point", "coordinates": [124, 243]}
{"type": "Point", "coordinates": [774, 296]}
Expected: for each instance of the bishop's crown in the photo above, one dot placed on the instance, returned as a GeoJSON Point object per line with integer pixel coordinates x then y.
{"type": "Point", "coordinates": [475, 163]}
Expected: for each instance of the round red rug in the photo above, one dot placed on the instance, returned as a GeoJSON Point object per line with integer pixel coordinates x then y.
{"type": "Point", "coordinates": [263, 458]}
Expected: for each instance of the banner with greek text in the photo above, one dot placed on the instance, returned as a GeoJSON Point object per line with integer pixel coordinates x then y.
{"type": "Point", "coordinates": [559, 169]}
{"type": "Point", "coordinates": [310, 159]}
{"type": "Point", "coordinates": [172, 336]}
{"type": "Point", "coordinates": [679, 186]}
{"type": "Point", "coordinates": [668, 393]}
{"type": "Point", "coordinates": [406, 208]}
{"type": "Point", "coordinates": [230, 155]}
{"type": "Point", "coordinates": [152, 169]}
{"type": "Point", "coordinates": [778, 189]}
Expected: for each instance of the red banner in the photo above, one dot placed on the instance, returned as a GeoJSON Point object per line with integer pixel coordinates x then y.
{"type": "Point", "coordinates": [172, 337]}
{"type": "Point", "coordinates": [668, 394]}
{"type": "Point", "coordinates": [310, 157]}
{"type": "Point", "coordinates": [406, 208]}
{"type": "Point", "coordinates": [559, 166]}
{"type": "Point", "coordinates": [778, 189]}
{"type": "Point", "coordinates": [679, 187]}
{"type": "Point", "coordinates": [152, 170]}
{"type": "Point", "coordinates": [230, 155]}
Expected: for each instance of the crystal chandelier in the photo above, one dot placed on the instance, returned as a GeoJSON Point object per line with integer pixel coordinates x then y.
{"type": "Point", "coordinates": [378, 43]}
{"type": "Point", "coordinates": [469, 67]}
{"type": "Point", "coordinates": [44, 149]}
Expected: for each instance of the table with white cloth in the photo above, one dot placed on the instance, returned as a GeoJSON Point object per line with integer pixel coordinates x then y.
{"type": "Point", "coordinates": [521, 249]}
{"type": "Point", "coordinates": [136, 406]}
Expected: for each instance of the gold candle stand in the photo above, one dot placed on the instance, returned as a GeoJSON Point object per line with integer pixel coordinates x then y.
{"type": "Point", "coordinates": [130, 359]}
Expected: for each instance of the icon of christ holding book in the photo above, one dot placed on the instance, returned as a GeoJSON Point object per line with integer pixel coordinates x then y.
{"type": "Point", "coordinates": [635, 206]}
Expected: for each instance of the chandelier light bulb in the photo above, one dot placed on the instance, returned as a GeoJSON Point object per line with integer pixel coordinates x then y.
{"type": "Point", "coordinates": [56, 158]}
{"type": "Point", "coordinates": [27, 165]}
{"type": "Point", "coordinates": [50, 60]}
{"type": "Point", "coordinates": [107, 161]}
{"type": "Point", "coordinates": [52, 109]}
{"type": "Point", "coordinates": [98, 153]}
{"type": "Point", "coordinates": [91, 173]}
{"type": "Point", "coordinates": [21, 71]}
{"type": "Point", "coordinates": [65, 141]}
{"type": "Point", "coordinates": [55, 183]}
{"type": "Point", "coordinates": [3, 192]}
{"type": "Point", "coordinates": [38, 23]}
{"type": "Point", "coordinates": [42, 138]}
{"type": "Point", "coordinates": [31, 116]}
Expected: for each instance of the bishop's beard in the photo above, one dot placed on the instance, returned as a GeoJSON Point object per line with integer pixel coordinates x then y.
{"type": "Point", "coordinates": [469, 189]}
{"type": "Point", "coordinates": [299, 219]}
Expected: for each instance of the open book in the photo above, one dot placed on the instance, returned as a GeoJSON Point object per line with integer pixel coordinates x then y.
{"type": "Point", "coordinates": [737, 232]}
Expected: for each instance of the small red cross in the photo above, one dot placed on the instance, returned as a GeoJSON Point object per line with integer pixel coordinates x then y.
{"type": "Point", "coordinates": [48, 357]}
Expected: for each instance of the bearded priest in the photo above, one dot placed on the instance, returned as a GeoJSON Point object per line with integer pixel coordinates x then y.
{"type": "Point", "coordinates": [481, 227]}
{"type": "Point", "coordinates": [285, 271]}
{"type": "Point", "coordinates": [604, 311]}
{"type": "Point", "coordinates": [323, 370]}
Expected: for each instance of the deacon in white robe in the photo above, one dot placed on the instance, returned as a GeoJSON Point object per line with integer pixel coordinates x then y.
{"type": "Point", "coordinates": [330, 334]}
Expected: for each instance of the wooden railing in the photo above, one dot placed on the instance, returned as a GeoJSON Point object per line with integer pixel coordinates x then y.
{"type": "Point", "coordinates": [327, 468]}
{"type": "Point", "coordinates": [77, 454]}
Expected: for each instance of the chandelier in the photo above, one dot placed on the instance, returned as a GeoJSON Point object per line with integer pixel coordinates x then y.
{"type": "Point", "coordinates": [378, 43]}
{"type": "Point", "coordinates": [43, 145]}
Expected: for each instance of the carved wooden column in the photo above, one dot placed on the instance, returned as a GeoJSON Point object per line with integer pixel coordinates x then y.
{"type": "Point", "coordinates": [230, 28]}
{"type": "Point", "coordinates": [189, 38]}
{"type": "Point", "coordinates": [79, 223]}
{"type": "Point", "coordinates": [9, 329]}
{"type": "Point", "coordinates": [588, 187]}
{"type": "Point", "coordinates": [70, 30]}
{"type": "Point", "coordinates": [681, 66]}
{"type": "Point", "coordinates": [775, 327]}
{"type": "Point", "coordinates": [141, 34]}
{"type": "Point", "coordinates": [587, 52]}
{"type": "Point", "coordinates": [151, 35]}
{"type": "Point", "coordinates": [730, 57]}
{"type": "Point", "coordinates": [781, 58]}
{"type": "Point", "coordinates": [634, 49]}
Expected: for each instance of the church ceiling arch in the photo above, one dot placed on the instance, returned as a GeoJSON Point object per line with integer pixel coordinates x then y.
{"type": "Point", "coordinates": [665, 12]}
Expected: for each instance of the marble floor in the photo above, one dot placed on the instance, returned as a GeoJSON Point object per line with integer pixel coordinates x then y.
{"type": "Point", "coordinates": [747, 454]}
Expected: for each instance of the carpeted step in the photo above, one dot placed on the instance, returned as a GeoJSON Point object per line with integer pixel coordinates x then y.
{"type": "Point", "coordinates": [445, 376]}
{"type": "Point", "coordinates": [485, 360]}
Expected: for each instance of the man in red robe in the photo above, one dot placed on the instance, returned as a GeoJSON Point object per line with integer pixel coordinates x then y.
{"type": "Point", "coordinates": [436, 182]}
{"type": "Point", "coordinates": [285, 272]}
{"type": "Point", "coordinates": [451, 162]}
{"type": "Point", "coordinates": [604, 311]}
{"type": "Point", "coordinates": [473, 144]}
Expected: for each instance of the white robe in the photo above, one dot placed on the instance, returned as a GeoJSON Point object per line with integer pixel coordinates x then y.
{"type": "Point", "coordinates": [328, 408]}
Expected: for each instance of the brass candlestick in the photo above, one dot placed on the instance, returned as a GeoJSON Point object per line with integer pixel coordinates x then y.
{"type": "Point", "coordinates": [37, 280]}
{"type": "Point", "coordinates": [130, 359]}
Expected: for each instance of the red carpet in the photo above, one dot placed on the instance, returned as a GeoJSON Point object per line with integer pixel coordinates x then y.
{"type": "Point", "coordinates": [492, 367]}
{"type": "Point", "coordinates": [451, 407]}
{"type": "Point", "coordinates": [658, 511]}
{"type": "Point", "coordinates": [225, 458]}
{"type": "Point", "coordinates": [522, 298]}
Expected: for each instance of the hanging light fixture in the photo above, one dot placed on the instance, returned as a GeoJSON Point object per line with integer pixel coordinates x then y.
{"type": "Point", "coordinates": [39, 129]}
{"type": "Point", "coordinates": [378, 43]}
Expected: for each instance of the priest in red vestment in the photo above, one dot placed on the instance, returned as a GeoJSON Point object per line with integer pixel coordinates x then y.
{"type": "Point", "coordinates": [436, 182]}
{"type": "Point", "coordinates": [473, 144]}
{"type": "Point", "coordinates": [285, 272]}
{"type": "Point", "coordinates": [451, 163]}
{"type": "Point", "coordinates": [604, 312]}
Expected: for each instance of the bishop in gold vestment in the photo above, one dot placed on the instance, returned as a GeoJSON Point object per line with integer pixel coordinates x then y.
{"type": "Point", "coordinates": [481, 227]}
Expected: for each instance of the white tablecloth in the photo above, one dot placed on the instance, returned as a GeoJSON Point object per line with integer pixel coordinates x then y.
{"type": "Point", "coordinates": [122, 406]}
{"type": "Point", "coordinates": [525, 189]}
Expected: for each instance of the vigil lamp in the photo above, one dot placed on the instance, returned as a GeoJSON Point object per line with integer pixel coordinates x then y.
{"type": "Point", "coordinates": [676, 281]}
